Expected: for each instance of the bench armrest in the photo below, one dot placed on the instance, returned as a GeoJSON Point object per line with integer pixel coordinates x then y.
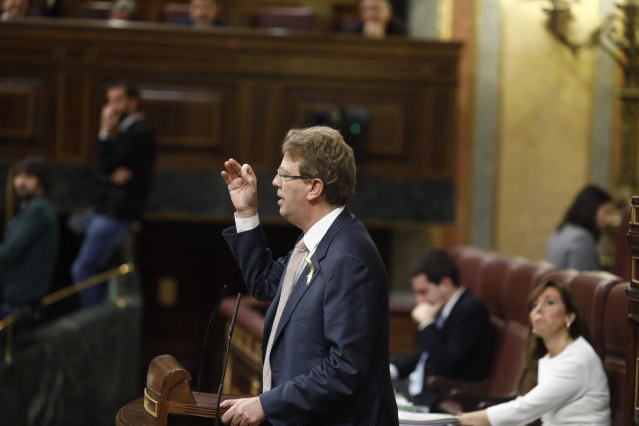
{"type": "Point", "coordinates": [471, 401]}
{"type": "Point", "coordinates": [444, 386]}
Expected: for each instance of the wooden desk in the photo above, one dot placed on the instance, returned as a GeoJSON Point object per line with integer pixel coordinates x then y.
{"type": "Point", "coordinates": [133, 414]}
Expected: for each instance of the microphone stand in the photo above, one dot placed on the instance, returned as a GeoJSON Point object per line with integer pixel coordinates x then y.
{"type": "Point", "coordinates": [206, 335]}
{"type": "Point", "coordinates": [226, 360]}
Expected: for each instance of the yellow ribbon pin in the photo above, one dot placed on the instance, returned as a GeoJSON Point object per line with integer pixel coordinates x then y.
{"type": "Point", "coordinates": [310, 273]}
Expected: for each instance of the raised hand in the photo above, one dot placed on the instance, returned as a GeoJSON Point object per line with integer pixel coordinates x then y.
{"type": "Point", "coordinates": [109, 121]}
{"type": "Point", "coordinates": [242, 185]}
{"type": "Point", "coordinates": [426, 312]}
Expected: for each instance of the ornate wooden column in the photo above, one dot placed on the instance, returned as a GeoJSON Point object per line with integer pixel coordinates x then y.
{"type": "Point", "coordinates": [631, 416]}
{"type": "Point", "coordinates": [626, 51]}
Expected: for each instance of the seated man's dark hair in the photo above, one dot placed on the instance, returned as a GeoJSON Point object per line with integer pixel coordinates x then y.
{"type": "Point", "coordinates": [436, 264]}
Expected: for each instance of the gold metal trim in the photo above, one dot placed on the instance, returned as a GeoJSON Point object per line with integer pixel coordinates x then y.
{"type": "Point", "coordinates": [150, 405]}
{"type": "Point", "coordinates": [8, 350]}
{"type": "Point", "coordinates": [59, 295]}
{"type": "Point", "coordinates": [73, 289]}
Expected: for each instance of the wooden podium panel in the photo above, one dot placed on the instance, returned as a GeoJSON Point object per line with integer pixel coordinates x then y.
{"type": "Point", "coordinates": [134, 414]}
{"type": "Point", "coordinates": [214, 93]}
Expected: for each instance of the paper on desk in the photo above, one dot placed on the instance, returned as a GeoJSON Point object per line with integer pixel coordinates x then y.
{"type": "Point", "coordinates": [409, 418]}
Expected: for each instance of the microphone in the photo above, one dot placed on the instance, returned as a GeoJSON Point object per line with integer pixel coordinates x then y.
{"type": "Point", "coordinates": [226, 359]}
{"type": "Point", "coordinates": [206, 335]}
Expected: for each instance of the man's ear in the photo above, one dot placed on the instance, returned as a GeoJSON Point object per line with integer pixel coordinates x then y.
{"type": "Point", "coordinates": [316, 189]}
{"type": "Point", "coordinates": [448, 283]}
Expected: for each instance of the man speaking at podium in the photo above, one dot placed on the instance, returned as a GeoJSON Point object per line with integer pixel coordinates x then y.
{"type": "Point", "coordinates": [325, 348]}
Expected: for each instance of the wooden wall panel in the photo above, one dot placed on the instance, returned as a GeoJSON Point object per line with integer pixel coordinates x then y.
{"type": "Point", "coordinates": [399, 118]}
{"type": "Point", "coordinates": [263, 113]}
{"type": "Point", "coordinates": [438, 157]}
{"type": "Point", "coordinates": [217, 93]}
{"type": "Point", "coordinates": [188, 120]}
{"type": "Point", "coordinates": [387, 132]}
{"type": "Point", "coordinates": [389, 111]}
{"type": "Point", "coordinates": [25, 122]}
{"type": "Point", "coordinates": [18, 105]}
{"type": "Point", "coordinates": [73, 128]}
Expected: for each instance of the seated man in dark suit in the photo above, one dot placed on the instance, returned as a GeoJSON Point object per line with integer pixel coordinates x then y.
{"type": "Point", "coordinates": [454, 331]}
{"type": "Point", "coordinates": [376, 20]}
{"type": "Point", "coordinates": [203, 13]}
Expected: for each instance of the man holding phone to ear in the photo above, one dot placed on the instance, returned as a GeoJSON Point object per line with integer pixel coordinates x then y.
{"type": "Point", "coordinates": [126, 155]}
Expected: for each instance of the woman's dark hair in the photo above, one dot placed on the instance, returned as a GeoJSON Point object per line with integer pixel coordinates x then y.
{"type": "Point", "coordinates": [535, 347]}
{"type": "Point", "coordinates": [583, 211]}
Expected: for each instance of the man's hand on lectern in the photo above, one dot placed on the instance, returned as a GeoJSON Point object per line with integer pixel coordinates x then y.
{"type": "Point", "coordinates": [243, 412]}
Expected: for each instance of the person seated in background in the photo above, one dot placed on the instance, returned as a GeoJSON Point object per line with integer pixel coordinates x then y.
{"type": "Point", "coordinates": [14, 9]}
{"type": "Point", "coordinates": [574, 244]}
{"type": "Point", "coordinates": [124, 10]}
{"type": "Point", "coordinates": [562, 379]}
{"type": "Point", "coordinates": [29, 252]}
{"type": "Point", "coordinates": [454, 332]}
{"type": "Point", "coordinates": [376, 20]}
{"type": "Point", "coordinates": [203, 13]}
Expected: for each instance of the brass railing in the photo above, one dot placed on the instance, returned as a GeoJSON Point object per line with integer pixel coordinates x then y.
{"type": "Point", "coordinates": [8, 322]}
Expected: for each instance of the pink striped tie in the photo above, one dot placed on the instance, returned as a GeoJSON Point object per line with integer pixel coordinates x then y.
{"type": "Point", "coordinates": [289, 279]}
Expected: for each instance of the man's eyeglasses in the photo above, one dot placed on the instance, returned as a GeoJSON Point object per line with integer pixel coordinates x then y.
{"type": "Point", "coordinates": [281, 176]}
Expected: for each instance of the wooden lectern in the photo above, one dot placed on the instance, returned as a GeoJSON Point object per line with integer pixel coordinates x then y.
{"type": "Point", "coordinates": [167, 391]}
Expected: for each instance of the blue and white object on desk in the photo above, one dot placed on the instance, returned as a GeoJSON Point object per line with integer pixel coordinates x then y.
{"type": "Point", "coordinates": [403, 404]}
